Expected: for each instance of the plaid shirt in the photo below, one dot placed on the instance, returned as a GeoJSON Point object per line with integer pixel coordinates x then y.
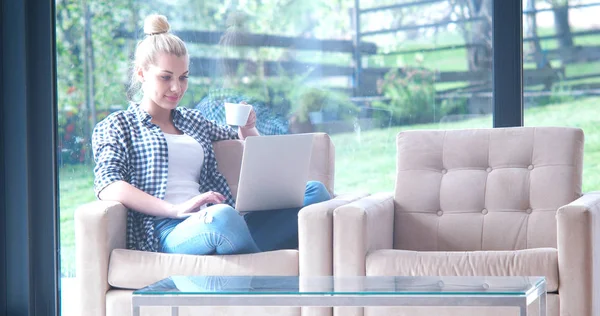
{"type": "Point", "coordinates": [267, 122]}
{"type": "Point", "coordinates": [128, 147]}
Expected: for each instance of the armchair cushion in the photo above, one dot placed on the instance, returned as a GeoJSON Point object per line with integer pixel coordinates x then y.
{"type": "Point", "coordinates": [528, 262]}
{"type": "Point", "coordinates": [129, 269]}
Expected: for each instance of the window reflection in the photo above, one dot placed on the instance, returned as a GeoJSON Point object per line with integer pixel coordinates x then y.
{"type": "Point", "coordinates": [236, 81]}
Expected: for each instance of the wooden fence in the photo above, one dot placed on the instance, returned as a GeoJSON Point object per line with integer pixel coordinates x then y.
{"type": "Point", "coordinates": [364, 80]}
{"type": "Point", "coordinates": [207, 66]}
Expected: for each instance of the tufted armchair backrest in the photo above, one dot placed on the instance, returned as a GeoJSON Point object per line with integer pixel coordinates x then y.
{"type": "Point", "coordinates": [484, 189]}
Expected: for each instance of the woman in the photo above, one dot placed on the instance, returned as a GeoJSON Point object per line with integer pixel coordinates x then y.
{"type": "Point", "coordinates": [157, 159]}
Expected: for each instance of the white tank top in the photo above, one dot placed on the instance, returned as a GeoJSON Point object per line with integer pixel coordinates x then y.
{"type": "Point", "coordinates": [186, 157]}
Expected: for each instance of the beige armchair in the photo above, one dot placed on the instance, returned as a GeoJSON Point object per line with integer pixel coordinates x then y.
{"type": "Point", "coordinates": [107, 273]}
{"type": "Point", "coordinates": [486, 202]}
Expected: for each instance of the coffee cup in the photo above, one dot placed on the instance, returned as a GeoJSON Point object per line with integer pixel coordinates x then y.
{"type": "Point", "coordinates": [237, 113]}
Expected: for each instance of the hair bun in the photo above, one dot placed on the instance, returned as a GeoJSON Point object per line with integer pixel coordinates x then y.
{"type": "Point", "coordinates": [156, 24]}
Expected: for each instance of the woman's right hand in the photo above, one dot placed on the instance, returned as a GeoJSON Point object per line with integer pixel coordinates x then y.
{"type": "Point", "coordinates": [191, 206]}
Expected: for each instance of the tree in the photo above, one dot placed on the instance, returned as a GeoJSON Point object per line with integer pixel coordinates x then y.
{"type": "Point", "coordinates": [478, 33]}
{"type": "Point", "coordinates": [560, 8]}
{"type": "Point", "coordinates": [92, 67]}
{"type": "Point", "coordinates": [531, 31]}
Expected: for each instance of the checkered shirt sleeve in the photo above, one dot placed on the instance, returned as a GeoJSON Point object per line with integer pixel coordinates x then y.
{"type": "Point", "coordinates": [109, 153]}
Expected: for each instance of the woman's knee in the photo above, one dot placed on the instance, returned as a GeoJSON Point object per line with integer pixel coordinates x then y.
{"type": "Point", "coordinates": [224, 213]}
{"type": "Point", "coordinates": [315, 186]}
{"type": "Point", "coordinates": [316, 192]}
{"type": "Point", "coordinates": [231, 229]}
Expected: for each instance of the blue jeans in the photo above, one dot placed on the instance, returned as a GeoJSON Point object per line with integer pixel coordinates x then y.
{"type": "Point", "coordinates": [220, 229]}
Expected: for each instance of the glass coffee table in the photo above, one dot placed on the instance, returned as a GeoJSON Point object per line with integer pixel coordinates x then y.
{"type": "Point", "coordinates": [179, 291]}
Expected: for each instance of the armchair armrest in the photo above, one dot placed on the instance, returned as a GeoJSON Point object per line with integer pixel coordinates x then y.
{"type": "Point", "coordinates": [315, 235]}
{"type": "Point", "coordinates": [359, 227]}
{"type": "Point", "coordinates": [578, 226]}
{"type": "Point", "coordinates": [315, 242]}
{"type": "Point", "coordinates": [100, 227]}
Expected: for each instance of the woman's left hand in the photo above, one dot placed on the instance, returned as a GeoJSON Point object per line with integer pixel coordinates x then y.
{"type": "Point", "coordinates": [251, 122]}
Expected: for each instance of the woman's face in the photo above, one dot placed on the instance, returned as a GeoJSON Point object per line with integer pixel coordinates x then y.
{"type": "Point", "coordinates": [165, 82]}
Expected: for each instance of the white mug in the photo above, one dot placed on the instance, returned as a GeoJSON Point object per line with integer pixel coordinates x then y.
{"type": "Point", "coordinates": [237, 113]}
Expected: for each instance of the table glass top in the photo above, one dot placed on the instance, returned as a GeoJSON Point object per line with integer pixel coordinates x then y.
{"type": "Point", "coordinates": [371, 285]}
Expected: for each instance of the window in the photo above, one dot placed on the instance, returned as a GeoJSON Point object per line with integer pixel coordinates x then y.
{"type": "Point", "coordinates": [419, 65]}
{"type": "Point", "coordinates": [30, 214]}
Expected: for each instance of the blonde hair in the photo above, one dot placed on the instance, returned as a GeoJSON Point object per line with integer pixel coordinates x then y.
{"type": "Point", "coordinates": [158, 39]}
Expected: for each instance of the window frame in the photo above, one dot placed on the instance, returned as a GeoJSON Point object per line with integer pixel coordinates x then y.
{"type": "Point", "coordinates": [507, 66]}
{"type": "Point", "coordinates": [2, 189]}
{"type": "Point", "coordinates": [29, 181]}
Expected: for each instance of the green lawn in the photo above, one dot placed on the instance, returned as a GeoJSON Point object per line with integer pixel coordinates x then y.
{"type": "Point", "coordinates": [75, 188]}
{"type": "Point", "coordinates": [365, 161]}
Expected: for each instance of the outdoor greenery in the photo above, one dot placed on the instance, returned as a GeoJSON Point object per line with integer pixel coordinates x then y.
{"type": "Point", "coordinates": [411, 95]}
{"type": "Point", "coordinates": [329, 104]}
{"type": "Point", "coordinates": [93, 51]}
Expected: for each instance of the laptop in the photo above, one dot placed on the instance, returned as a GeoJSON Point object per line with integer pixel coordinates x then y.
{"type": "Point", "coordinates": [274, 172]}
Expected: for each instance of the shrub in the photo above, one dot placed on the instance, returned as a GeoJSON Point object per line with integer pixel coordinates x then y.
{"type": "Point", "coordinates": [332, 105]}
{"type": "Point", "coordinates": [411, 95]}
